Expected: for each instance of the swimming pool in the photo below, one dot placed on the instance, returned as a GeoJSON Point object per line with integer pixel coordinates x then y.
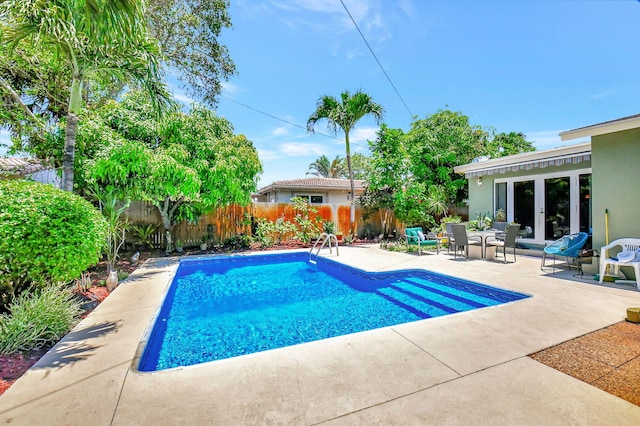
{"type": "Point", "coordinates": [234, 305]}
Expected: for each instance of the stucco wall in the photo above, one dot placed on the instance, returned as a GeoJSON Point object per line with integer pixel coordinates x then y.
{"type": "Point", "coordinates": [481, 196]}
{"type": "Point", "coordinates": [615, 160]}
{"type": "Point", "coordinates": [284, 196]}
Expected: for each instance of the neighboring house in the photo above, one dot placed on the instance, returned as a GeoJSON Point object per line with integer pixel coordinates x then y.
{"type": "Point", "coordinates": [317, 190]}
{"type": "Point", "coordinates": [27, 168]}
{"type": "Point", "coordinates": [566, 190]}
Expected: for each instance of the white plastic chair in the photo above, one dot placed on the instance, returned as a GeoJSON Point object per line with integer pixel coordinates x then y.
{"type": "Point", "coordinates": [626, 245]}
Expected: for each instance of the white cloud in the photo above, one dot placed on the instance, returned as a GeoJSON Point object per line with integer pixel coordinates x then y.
{"type": "Point", "coordinates": [268, 154]}
{"type": "Point", "coordinates": [280, 131]}
{"type": "Point", "coordinates": [546, 139]}
{"type": "Point", "coordinates": [604, 94]}
{"type": "Point", "coordinates": [300, 149]}
{"type": "Point", "coordinates": [229, 89]}
{"type": "Point", "coordinates": [363, 134]}
{"type": "Point", "coordinates": [181, 97]}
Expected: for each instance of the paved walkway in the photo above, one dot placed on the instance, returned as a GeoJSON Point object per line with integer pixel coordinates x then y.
{"type": "Point", "coordinates": [467, 368]}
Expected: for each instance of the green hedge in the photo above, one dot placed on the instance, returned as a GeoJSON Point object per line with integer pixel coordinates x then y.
{"type": "Point", "coordinates": [46, 236]}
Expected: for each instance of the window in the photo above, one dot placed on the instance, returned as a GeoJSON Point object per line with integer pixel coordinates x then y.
{"type": "Point", "coordinates": [313, 199]}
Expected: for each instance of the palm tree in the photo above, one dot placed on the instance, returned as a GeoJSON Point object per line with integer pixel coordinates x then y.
{"type": "Point", "coordinates": [91, 37]}
{"type": "Point", "coordinates": [323, 168]}
{"type": "Point", "coordinates": [344, 115]}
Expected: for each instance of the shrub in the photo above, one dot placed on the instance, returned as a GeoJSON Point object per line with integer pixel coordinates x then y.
{"type": "Point", "coordinates": [264, 232]}
{"type": "Point", "coordinates": [46, 236]}
{"type": "Point", "coordinates": [38, 319]}
{"type": "Point", "coordinates": [237, 242]}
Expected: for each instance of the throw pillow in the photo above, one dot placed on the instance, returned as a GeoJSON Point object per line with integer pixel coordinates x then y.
{"type": "Point", "coordinates": [421, 236]}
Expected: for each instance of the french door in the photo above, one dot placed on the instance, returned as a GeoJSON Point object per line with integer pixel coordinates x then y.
{"type": "Point", "coordinates": [546, 206]}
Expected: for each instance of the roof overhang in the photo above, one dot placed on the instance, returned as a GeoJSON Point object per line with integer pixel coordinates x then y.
{"type": "Point", "coordinates": [622, 124]}
{"type": "Point", "coordinates": [573, 154]}
{"type": "Point", "coordinates": [317, 187]}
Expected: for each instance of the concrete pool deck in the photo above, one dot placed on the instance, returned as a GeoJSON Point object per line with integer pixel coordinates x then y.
{"type": "Point", "coordinates": [466, 368]}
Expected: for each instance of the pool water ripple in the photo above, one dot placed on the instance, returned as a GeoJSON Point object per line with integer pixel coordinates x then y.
{"type": "Point", "coordinates": [236, 305]}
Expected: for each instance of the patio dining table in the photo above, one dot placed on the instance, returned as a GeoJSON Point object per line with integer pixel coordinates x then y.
{"type": "Point", "coordinates": [483, 238]}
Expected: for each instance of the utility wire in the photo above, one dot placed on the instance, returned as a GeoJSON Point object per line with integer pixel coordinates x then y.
{"type": "Point", "coordinates": [283, 120]}
{"type": "Point", "coordinates": [376, 58]}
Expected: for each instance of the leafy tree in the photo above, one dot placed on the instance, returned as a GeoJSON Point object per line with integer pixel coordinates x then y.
{"type": "Point", "coordinates": [344, 114]}
{"type": "Point", "coordinates": [185, 165]}
{"type": "Point", "coordinates": [361, 166]}
{"type": "Point", "coordinates": [388, 170]}
{"type": "Point", "coordinates": [503, 144]}
{"type": "Point", "coordinates": [188, 33]}
{"type": "Point", "coordinates": [107, 37]}
{"type": "Point", "coordinates": [439, 142]}
{"type": "Point", "coordinates": [323, 168]}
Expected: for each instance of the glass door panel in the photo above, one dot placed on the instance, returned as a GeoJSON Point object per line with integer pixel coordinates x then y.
{"type": "Point", "coordinates": [557, 207]}
{"type": "Point", "coordinates": [585, 203]}
{"type": "Point", "coordinates": [524, 207]}
{"type": "Point", "coordinates": [500, 198]}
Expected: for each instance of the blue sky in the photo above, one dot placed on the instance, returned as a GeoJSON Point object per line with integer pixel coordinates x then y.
{"type": "Point", "coordinates": [537, 67]}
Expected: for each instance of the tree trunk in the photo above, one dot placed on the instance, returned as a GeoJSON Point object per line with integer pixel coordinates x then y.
{"type": "Point", "coordinates": [166, 214]}
{"type": "Point", "coordinates": [352, 212]}
{"type": "Point", "coordinates": [69, 152]}
{"type": "Point", "coordinates": [75, 102]}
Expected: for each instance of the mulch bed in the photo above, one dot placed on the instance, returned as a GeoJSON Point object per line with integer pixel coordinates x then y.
{"type": "Point", "coordinates": [12, 366]}
{"type": "Point", "coordinates": [608, 359]}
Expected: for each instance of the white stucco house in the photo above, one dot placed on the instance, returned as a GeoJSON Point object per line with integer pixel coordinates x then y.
{"type": "Point", "coordinates": [318, 190]}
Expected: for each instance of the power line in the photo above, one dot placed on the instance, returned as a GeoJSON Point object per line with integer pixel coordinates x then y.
{"type": "Point", "coordinates": [283, 120]}
{"type": "Point", "coordinates": [376, 58]}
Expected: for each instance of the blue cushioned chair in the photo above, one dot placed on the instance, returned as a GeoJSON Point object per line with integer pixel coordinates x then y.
{"type": "Point", "coordinates": [413, 238]}
{"type": "Point", "coordinates": [568, 246]}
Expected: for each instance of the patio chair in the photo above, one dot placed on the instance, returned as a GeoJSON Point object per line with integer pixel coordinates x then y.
{"type": "Point", "coordinates": [568, 246]}
{"type": "Point", "coordinates": [415, 237]}
{"type": "Point", "coordinates": [501, 228]}
{"type": "Point", "coordinates": [508, 241]}
{"type": "Point", "coordinates": [450, 238]}
{"type": "Point", "coordinates": [463, 241]}
{"type": "Point", "coordinates": [629, 255]}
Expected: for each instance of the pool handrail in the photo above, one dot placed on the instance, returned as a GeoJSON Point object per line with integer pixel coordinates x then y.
{"type": "Point", "coordinates": [324, 237]}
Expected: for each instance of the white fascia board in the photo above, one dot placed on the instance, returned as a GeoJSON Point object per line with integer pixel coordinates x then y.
{"type": "Point", "coordinates": [601, 129]}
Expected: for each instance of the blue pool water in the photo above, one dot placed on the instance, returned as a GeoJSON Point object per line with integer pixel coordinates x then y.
{"type": "Point", "coordinates": [228, 306]}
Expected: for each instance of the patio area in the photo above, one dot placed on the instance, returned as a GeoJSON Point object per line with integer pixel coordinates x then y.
{"type": "Point", "coordinates": [466, 368]}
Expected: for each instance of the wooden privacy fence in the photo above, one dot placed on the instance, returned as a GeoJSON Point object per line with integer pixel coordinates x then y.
{"type": "Point", "coordinates": [225, 222]}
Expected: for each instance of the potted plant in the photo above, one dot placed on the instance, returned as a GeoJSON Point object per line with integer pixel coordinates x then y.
{"type": "Point", "coordinates": [179, 246]}
{"type": "Point", "coordinates": [501, 216]}
{"type": "Point", "coordinates": [203, 242]}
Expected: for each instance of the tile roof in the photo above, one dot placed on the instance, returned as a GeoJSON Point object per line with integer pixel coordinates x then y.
{"type": "Point", "coordinates": [19, 166]}
{"type": "Point", "coordinates": [313, 182]}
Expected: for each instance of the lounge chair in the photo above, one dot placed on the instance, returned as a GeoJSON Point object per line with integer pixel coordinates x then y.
{"type": "Point", "coordinates": [627, 256]}
{"type": "Point", "coordinates": [568, 246]}
{"type": "Point", "coordinates": [463, 241]}
{"type": "Point", "coordinates": [507, 241]}
{"type": "Point", "coordinates": [415, 237]}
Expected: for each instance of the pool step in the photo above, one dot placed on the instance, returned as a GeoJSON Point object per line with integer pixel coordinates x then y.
{"type": "Point", "coordinates": [425, 299]}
